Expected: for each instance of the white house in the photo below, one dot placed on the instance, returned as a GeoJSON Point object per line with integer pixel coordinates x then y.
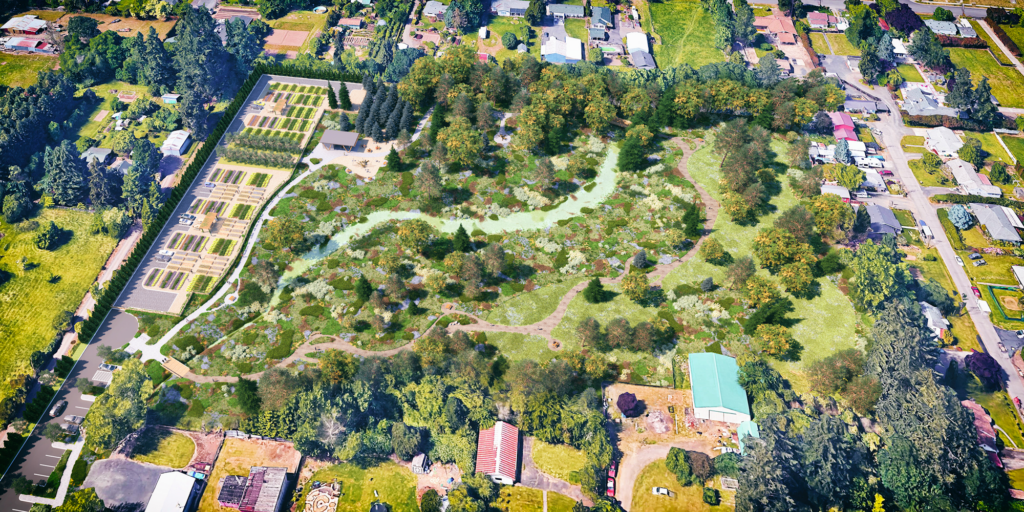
{"type": "Point", "coordinates": [177, 143]}
{"type": "Point", "coordinates": [945, 28]}
{"type": "Point", "coordinates": [513, 8]}
{"type": "Point", "coordinates": [562, 52]}
{"type": "Point", "coordinates": [936, 322]}
{"type": "Point", "coordinates": [943, 142]}
{"type": "Point", "coordinates": [637, 42]}
{"type": "Point", "coordinates": [970, 181]}
{"type": "Point", "coordinates": [175, 492]}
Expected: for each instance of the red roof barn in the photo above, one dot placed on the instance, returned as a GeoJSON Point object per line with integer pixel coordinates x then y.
{"type": "Point", "coordinates": [497, 453]}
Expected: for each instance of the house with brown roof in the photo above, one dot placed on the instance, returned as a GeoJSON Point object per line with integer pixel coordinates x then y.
{"type": "Point", "coordinates": [779, 26]}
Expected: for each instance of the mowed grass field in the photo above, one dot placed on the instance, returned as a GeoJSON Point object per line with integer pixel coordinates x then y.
{"type": "Point", "coordinates": [23, 70]}
{"type": "Point", "coordinates": [525, 499]}
{"type": "Point", "coordinates": [1016, 34]}
{"type": "Point", "coordinates": [30, 299]}
{"type": "Point", "coordinates": [909, 73]}
{"type": "Point", "coordinates": [394, 484]}
{"type": "Point", "coordinates": [558, 460]}
{"type": "Point", "coordinates": [164, 448]}
{"type": "Point", "coordinates": [841, 45]}
{"type": "Point", "coordinates": [686, 499]}
{"type": "Point", "coordinates": [237, 456]}
{"type": "Point", "coordinates": [687, 34]}
{"type": "Point", "coordinates": [819, 44]}
{"type": "Point", "coordinates": [1007, 83]}
{"type": "Point", "coordinates": [1016, 145]}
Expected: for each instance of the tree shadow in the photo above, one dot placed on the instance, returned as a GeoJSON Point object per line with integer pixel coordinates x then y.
{"type": "Point", "coordinates": [794, 353]}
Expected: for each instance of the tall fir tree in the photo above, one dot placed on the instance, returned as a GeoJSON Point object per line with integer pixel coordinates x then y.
{"type": "Point", "coordinates": [104, 186]}
{"type": "Point", "coordinates": [243, 45]}
{"type": "Point", "coordinates": [394, 124]}
{"type": "Point", "coordinates": [66, 178]}
{"type": "Point", "coordinates": [390, 104]}
{"type": "Point", "coordinates": [344, 100]}
{"type": "Point", "coordinates": [158, 68]}
{"type": "Point", "coordinates": [375, 132]}
{"type": "Point", "coordinates": [461, 240]}
{"type": "Point", "coordinates": [332, 99]}
{"type": "Point", "coordinates": [406, 122]}
{"type": "Point", "coordinates": [200, 57]}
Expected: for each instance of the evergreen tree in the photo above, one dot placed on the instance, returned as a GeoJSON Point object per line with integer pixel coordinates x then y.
{"type": "Point", "coordinates": [862, 221]}
{"type": "Point", "coordinates": [344, 101]}
{"type": "Point", "coordinates": [389, 105]}
{"type": "Point", "coordinates": [66, 177]}
{"type": "Point", "coordinates": [394, 124]}
{"type": "Point", "coordinates": [158, 66]}
{"type": "Point", "coordinates": [985, 112]}
{"type": "Point", "coordinates": [768, 72]}
{"type": "Point", "coordinates": [363, 289]}
{"type": "Point", "coordinates": [886, 51]}
{"type": "Point", "coordinates": [594, 292]}
{"type": "Point", "coordinates": [368, 85]}
{"type": "Point", "coordinates": [691, 219]}
{"type": "Point", "coordinates": [461, 240]}
{"type": "Point", "coordinates": [332, 100]}
{"type": "Point", "coordinates": [842, 153]}
{"type": "Point", "coordinates": [631, 156]}
{"type": "Point", "coordinates": [200, 57]}
{"type": "Point", "coordinates": [952, 374]}
{"type": "Point", "coordinates": [378, 105]}
{"type": "Point", "coordinates": [375, 132]}
{"type": "Point", "coordinates": [104, 189]}
{"type": "Point", "coordinates": [135, 191]}
{"type": "Point", "coordinates": [394, 162]}
{"type": "Point", "coordinates": [343, 123]}
{"type": "Point", "coordinates": [242, 45]}
{"type": "Point", "coordinates": [193, 114]}
{"type": "Point", "coordinates": [406, 122]}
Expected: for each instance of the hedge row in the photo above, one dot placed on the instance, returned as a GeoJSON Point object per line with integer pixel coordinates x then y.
{"type": "Point", "coordinates": [1017, 206]}
{"type": "Point", "coordinates": [961, 42]}
{"type": "Point", "coordinates": [1001, 34]}
{"type": "Point", "coordinates": [806, 41]}
{"type": "Point", "coordinates": [956, 123]}
{"type": "Point", "coordinates": [123, 275]}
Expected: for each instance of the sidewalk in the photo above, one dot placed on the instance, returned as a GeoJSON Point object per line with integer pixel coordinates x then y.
{"type": "Point", "coordinates": [65, 479]}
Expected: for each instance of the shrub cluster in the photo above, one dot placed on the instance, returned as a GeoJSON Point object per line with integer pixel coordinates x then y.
{"type": "Point", "coordinates": [961, 42]}
{"type": "Point", "coordinates": [256, 157]}
{"type": "Point", "coordinates": [264, 142]}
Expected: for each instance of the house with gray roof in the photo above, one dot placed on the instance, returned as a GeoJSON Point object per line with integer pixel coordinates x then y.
{"type": "Point", "coordinates": [563, 11]}
{"type": "Point", "coordinates": [598, 34]}
{"type": "Point", "coordinates": [642, 60]}
{"type": "Point", "coordinates": [920, 103]}
{"type": "Point", "coordinates": [1000, 222]}
{"type": "Point", "coordinates": [601, 17]}
{"type": "Point", "coordinates": [944, 28]}
{"type": "Point", "coordinates": [434, 9]}
{"type": "Point", "coordinates": [966, 30]}
{"type": "Point", "coordinates": [970, 181]}
{"type": "Point", "coordinates": [942, 141]}
{"type": "Point", "coordinates": [883, 220]}
{"type": "Point", "coordinates": [937, 323]}
{"type": "Point", "coordinates": [512, 8]}
{"type": "Point", "coordinates": [99, 155]}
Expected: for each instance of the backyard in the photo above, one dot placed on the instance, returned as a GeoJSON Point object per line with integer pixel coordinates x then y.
{"type": "Point", "coordinates": [687, 34]}
{"type": "Point", "coordinates": [841, 45]}
{"type": "Point", "coordinates": [910, 74]}
{"type": "Point", "coordinates": [819, 44]}
{"type": "Point", "coordinates": [48, 282]}
{"type": "Point", "coordinates": [525, 499]}
{"type": "Point", "coordinates": [1007, 83]}
{"type": "Point", "coordinates": [164, 448]}
{"type": "Point", "coordinates": [388, 482]}
{"type": "Point", "coordinates": [1016, 145]}
{"type": "Point", "coordinates": [22, 70]}
{"type": "Point", "coordinates": [686, 499]}
{"type": "Point", "coordinates": [559, 460]}
{"type": "Point", "coordinates": [990, 144]}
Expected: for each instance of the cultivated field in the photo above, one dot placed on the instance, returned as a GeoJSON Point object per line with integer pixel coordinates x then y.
{"type": "Point", "coordinates": [54, 281]}
{"type": "Point", "coordinates": [238, 456]}
{"type": "Point", "coordinates": [687, 34]}
{"type": "Point", "coordinates": [22, 70]}
{"type": "Point", "coordinates": [1007, 83]}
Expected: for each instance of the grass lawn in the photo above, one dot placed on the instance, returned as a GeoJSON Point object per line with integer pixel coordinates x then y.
{"type": "Point", "coordinates": [819, 334]}
{"type": "Point", "coordinates": [973, 237]}
{"type": "Point", "coordinates": [990, 144]}
{"type": "Point", "coordinates": [928, 177]}
{"type": "Point", "coordinates": [497, 28]}
{"type": "Point", "coordinates": [532, 307]}
{"type": "Point", "coordinates": [643, 8]}
{"type": "Point", "coordinates": [577, 28]}
{"type": "Point", "coordinates": [56, 281]}
{"type": "Point", "coordinates": [841, 46]}
{"type": "Point", "coordinates": [517, 346]}
{"type": "Point", "coordinates": [1016, 478]}
{"type": "Point", "coordinates": [687, 34]}
{"type": "Point", "coordinates": [686, 499]}
{"type": "Point", "coordinates": [395, 484]}
{"type": "Point", "coordinates": [299, 20]}
{"type": "Point", "coordinates": [135, 25]}
{"type": "Point", "coordinates": [1007, 83]}
{"type": "Point", "coordinates": [1016, 145]}
{"type": "Point", "coordinates": [43, 15]}
{"type": "Point", "coordinates": [997, 270]}
{"type": "Point", "coordinates": [22, 70]}
{"type": "Point", "coordinates": [909, 73]}
{"type": "Point", "coordinates": [558, 460]}
{"type": "Point", "coordinates": [1000, 56]}
{"type": "Point", "coordinates": [905, 217]}
{"type": "Point", "coordinates": [164, 448]}
{"type": "Point", "coordinates": [865, 135]}
{"type": "Point", "coordinates": [912, 140]}
{"type": "Point", "coordinates": [1016, 34]}
{"type": "Point", "coordinates": [819, 44]}
{"type": "Point", "coordinates": [998, 406]}
{"type": "Point", "coordinates": [237, 456]}
{"type": "Point", "coordinates": [525, 499]}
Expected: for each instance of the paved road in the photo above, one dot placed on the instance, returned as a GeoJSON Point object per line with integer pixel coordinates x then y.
{"type": "Point", "coordinates": [37, 457]}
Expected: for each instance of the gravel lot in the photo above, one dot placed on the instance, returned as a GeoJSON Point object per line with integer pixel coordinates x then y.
{"type": "Point", "coordinates": [124, 482]}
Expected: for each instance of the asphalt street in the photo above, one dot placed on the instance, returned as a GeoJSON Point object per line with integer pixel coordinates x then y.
{"type": "Point", "coordinates": [38, 458]}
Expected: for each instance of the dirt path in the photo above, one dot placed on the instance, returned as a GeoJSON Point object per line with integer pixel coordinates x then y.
{"type": "Point", "coordinates": [544, 327]}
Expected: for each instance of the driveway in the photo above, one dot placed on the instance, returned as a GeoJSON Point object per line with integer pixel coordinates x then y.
{"type": "Point", "coordinates": [633, 464]}
{"type": "Point", "coordinates": [119, 482]}
{"type": "Point", "coordinates": [535, 478]}
{"type": "Point", "coordinates": [551, 28]}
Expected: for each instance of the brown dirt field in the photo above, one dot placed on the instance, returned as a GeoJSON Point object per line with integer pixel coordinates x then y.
{"type": "Point", "coordinates": [630, 438]}
{"type": "Point", "coordinates": [162, 27]}
{"type": "Point", "coordinates": [226, 13]}
{"type": "Point", "coordinates": [293, 38]}
{"type": "Point", "coordinates": [1010, 303]}
{"type": "Point", "coordinates": [238, 455]}
{"type": "Point", "coordinates": [207, 445]}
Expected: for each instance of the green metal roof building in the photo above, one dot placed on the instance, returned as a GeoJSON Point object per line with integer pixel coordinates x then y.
{"type": "Point", "coordinates": [717, 394]}
{"type": "Point", "coordinates": [747, 428]}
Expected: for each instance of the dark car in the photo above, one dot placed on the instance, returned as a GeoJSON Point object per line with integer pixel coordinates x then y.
{"type": "Point", "coordinates": [58, 408]}
{"type": "Point", "coordinates": [975, 256]}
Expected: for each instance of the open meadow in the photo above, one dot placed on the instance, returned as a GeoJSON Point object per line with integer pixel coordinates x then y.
{"type": "Point", "coordinates": [687, 34]}
{"type": "Point", "coordinates": [22, 70]}
{"type": "Point", "coordinates": [1007, 83]}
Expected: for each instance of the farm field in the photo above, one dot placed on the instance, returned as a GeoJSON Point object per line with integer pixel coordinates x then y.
{"type": "Point", "coordinates": [55, 281]}
{"type": "Point", "coordinates": [1007, 83]}
{"type": "Point", "coordinates": [687, 34]}
{"type": "Point", "coordinates": [22, 70]}
{"type": "Point", "coordinates": [164, 448]}
{"type": "Point", "coordinates": [42, 14]}
{"type": "Point", "coordinates": [394, 484]}
{"type": "Point", "coordinates": [237, 456]}
{"type": "Point", "coordinates": [298, 20]}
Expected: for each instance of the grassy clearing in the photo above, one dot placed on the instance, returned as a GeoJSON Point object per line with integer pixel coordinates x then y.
{"type": "Point", "coordinates": [909, 73]}
{"type": "Point", "coordinates": [841, 45]}
{"type": "Point", "coordinates": [532, 307]}
{"type": "Point", "coordinates": [1007, 83]}
{"type": "Point", "coordinates": [912, 140]}
{"type": "Point", "coordinates": [686, 499]}
{"type": "Point", "coordinates": [56, 281]}
{"type": "Point", "coordinates": [23, 70]}
{"type": "Point", "coordinates": [395, 484]}
{"type": "Point", "coordinates": [962, 326]}
{"type": "Point", "coordinates": [164, 448]}
{"type": "Point", "coordinates": [299, 20]}
{"type": "Point", "coordinates": [525, 499]}
{"type": "Point", "coordinates": [687, 34]}
{"type": "Point", "coordinates": [819, 43]}
{"type": "Point", "coordinates": [1016, 145]}
{"type": "Point", "coordinates": [928, 177]}
{"type": "Point", "coordinates": [558, 460]}
{"type": "Point", "coordinates": [520, 346]}
{"type": "Point", "coordinates": [43, 15]}
{"type": "Point", "coordinates": [577, 28]}
{"type": "Point", "coordinates": [997, 270]}
{"type": "Point", "coordinates": [990, 144]}
{"type": "Point", "coordinates": [982, 33]}
{"type": "Point", "coordinates": [134, 25]}
{"type": "Point", "coordinates": [1016, 478]}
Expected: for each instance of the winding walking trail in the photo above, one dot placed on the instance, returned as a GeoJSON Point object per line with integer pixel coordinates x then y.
{"type": "Point", "coordinates": [542, 328]}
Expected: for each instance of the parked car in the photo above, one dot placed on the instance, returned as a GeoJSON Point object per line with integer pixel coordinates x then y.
{"type": "Point", "coordinates": [661, 491]}
{"type": "Point", "coordinates": [977, 292]}
{"type": "Point", "coordinates": [77, 420]}
{"type": "Point", "coordinates": [613, 468]}
{"type": "Point", "coordinates": [109, 367]}
{"type": "Point", "coordinates": [611, 487]}
{"type": "Point", "coordinates": [980, 263]}
{"type": "Point", "coordinates": [1002, 348]}
{"type": "Point", "coordinates": [975, 256]}
{"type": "Point", "coordinates": [58, 408]}
{"type": "Point", "coordinates": [70, 428]}
{"type": "Point", "coordinates": [959, 261]}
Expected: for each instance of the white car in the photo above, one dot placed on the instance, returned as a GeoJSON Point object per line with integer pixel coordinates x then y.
{"type": "Point", "coordinates": [959, 261]}
{"type": "Point", "coordinates": [661, 491]}
{"type": "Point", "coordinates": [166, 252]}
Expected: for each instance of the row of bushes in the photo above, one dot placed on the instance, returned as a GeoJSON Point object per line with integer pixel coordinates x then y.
{"type": "Point", "coordinates": [955, 239]}
{"type": "Point", "coordinates": [1016, 206]}
{"type": "Point", "coordinates": [257, 158]}
{"type": "Point", "coordinates": [961, 42]}
{"type": "Point", "coordinates": [284, 144]}
{"type": "Point", "coordinates": [955, 123]}
{"type": "Point", "coordinates": [806, 41]}
{"type": "Point", "coordinates": [1003, 37]}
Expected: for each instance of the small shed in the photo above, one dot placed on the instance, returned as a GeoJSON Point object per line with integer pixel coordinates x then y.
{"type": "Point", "coordinates": [336, 140]}
{"type": "Point", "coordinates": [483, 33]}
{"type": "Point", "coordinates": [170, 98]}
{"type": "Point", "coordinates": [420, 464]}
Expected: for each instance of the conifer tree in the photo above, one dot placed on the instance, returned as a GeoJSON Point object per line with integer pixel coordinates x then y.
{"type": "Point", "coordinates": [406, 122]}
{"type": "Point", "coordinates": [344, 101]}
{"type": "Point", "coordinates": [394, 122]}
{"type": "Point", "coordinates": [461, 241]}
{"type": "Point", "coordinates": [332, 100]}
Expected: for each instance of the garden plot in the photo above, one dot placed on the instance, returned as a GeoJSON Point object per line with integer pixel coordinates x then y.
{"type": "Point", "coordinates": [237, 456]}
{"type": "Point", "coordinates": [203, 206]}
{"type": "Point", "coordinates": [163, 279]}
{"type": "Point", "coordinates": [230, 176]}
{"type": "Point", "coordinates": [187, 242]}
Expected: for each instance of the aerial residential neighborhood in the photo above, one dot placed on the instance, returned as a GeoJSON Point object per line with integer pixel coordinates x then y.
{"type": "Point", "coordinates": [511, 255]}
